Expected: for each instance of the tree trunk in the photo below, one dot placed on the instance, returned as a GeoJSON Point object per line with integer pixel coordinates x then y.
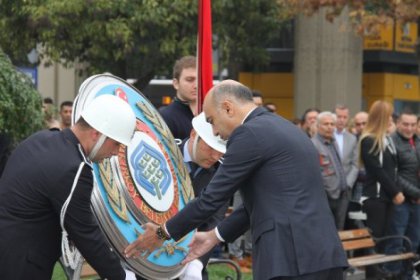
{"type": "Point", "coordinates": [327, 63]}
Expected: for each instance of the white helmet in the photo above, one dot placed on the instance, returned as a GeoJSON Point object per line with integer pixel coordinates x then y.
{"type": "Point", "coordinates": [204, 130]}
{"type": "Point", "coordinates": [111, 116]}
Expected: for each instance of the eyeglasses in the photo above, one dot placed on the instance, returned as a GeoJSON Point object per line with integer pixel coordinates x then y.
{"type": "Point", "coordinates": [360, 123]}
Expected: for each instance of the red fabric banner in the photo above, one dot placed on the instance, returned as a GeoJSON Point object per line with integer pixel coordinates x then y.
{"type": "Point", "coordinates": [204, 52]}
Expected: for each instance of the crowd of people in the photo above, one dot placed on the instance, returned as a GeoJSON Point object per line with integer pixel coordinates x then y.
{"type": "Point", "coordinates": [363, 160]}
{"type": "Point", "coordinates": [290, 185]}
{"type": "Point", "coordinates": [372, 159]}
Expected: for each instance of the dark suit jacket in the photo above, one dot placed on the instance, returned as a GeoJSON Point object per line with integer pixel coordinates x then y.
{"type": "Point", "coordinates": [408, 166]}
{"type": "Point", "coordinates": [275, 167]}
{"type": "Point", "coordinates": [35, 183]}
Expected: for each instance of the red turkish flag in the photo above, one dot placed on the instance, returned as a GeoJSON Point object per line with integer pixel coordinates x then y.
{"type": "Point", "coordinates": [204, 52]}
{"type": "Point", "coordinates": [121, 94]}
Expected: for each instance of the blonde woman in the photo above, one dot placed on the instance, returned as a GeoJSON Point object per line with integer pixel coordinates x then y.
{"type": "Point", "coordinates": [378, 156]}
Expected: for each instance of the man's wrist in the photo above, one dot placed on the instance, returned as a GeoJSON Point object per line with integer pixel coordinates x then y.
{"type": "Point", "coordinates": [216, 231]}
{"type": "Point", "coordinates": [161, 233]}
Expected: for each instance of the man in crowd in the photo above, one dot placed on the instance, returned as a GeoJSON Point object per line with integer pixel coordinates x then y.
{"type": "Point", "coordinates": [360, 120]}
{"type": "Point", "coordinates": [201, 152]}
{"type": "Point", "coordinates": [276, 170]}
{"type": "Point", "coordinates": [179, 114]}
{"type": "Point", "coordinates": [271, 107]}
{"type": "Point", "coordinates": [309, 121]}
{"type": "Point", "coordinates": [347, 147]}
{"type": "Point", "coordinates": [48, 169]}
{"type": "Point", "coordinates": [334, 177]}
{"type": "Point", "coordinates": [257, 98]}
{"type": "Point", "coordinates": [66, 108]}
{"type": "Point", "coordinates": [406, 217]}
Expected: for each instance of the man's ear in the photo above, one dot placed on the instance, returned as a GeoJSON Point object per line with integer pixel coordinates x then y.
{"type": "Point", "coordinates": [175, 83]}
{"type": "Point", "coordinates": [95, 134]}
{"type": "Point", "coordinates": [227, 106]}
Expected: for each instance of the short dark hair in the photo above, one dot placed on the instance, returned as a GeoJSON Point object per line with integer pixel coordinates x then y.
{"type": "Point", "coordinates": [83, 123]}
{"type": "Point", "coordinates": [182, 63]}
{"type": "Point", "coordinates": [66, 103]}
{"type": "Point", "coordinates": [308, 111]}
{"type": "Point", "coordinates": [340, 107]}
{"type": "Point", "coordinates": [405, 112]}
{"type": "Point", "coordinates": [256, 93]}
{"type": "Point", "coordinates": [48, 100]}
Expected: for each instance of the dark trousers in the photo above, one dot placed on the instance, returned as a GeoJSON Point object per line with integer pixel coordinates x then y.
{"type": "Point", "coordinates": [379, 213]}
{"type": "Point", "coordinates": [336, 273]}
{"type": "Point", "coordinates": [405, 221]}
{"type": "Point", "coordinates": [339, 208]}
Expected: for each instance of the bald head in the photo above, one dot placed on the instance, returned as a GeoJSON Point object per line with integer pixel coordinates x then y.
{"type": "Point", "coordinates": [232, 90]}
{"type": "Point", "coordinates": [360, 120]}
{"type": "Point", "coordinates": [226, 106]}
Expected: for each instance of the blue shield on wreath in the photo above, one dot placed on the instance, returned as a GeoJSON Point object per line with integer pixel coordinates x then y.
{"type": "Point", "coordinates": [146, 182]}
{"type": "Point", "coordinates": [151, 171]}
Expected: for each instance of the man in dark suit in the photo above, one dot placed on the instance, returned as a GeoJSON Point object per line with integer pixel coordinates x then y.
{"type": "Point", "coordinates": [276, 168]}
{"type": "Point", "coordinates": [37, 181]}
{"type": "Point", "coordinates": [201, 152]}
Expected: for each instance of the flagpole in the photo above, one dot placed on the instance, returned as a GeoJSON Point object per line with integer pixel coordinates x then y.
{"type": "Point", "coordinates": [204, 52]}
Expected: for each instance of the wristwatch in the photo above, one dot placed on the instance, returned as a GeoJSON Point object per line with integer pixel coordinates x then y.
{"type": "Point", "coordinates": [161, 234]}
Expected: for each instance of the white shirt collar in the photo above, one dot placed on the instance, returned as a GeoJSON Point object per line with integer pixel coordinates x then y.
{"type": "Point", "coordinates": [247, 115]}
{"type": "Point", "coordinates": [187, 156]}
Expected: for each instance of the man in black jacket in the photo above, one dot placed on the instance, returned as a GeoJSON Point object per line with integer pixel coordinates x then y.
{"type": "Point", "coordinates": [406, 216]}
{"type": "Point", "coordinates": [180, 112]}
{"type": "Point", "coordinates": [42, 174]}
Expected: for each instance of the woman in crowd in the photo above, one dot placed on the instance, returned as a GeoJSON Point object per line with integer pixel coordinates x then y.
{"type": "Point", "coordinates": [378, 156]}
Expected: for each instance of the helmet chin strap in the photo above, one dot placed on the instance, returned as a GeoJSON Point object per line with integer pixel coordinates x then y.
{"type": "Point", "coordinates": [194, 148]}
{"type": "Point", "coordinates": [97, 146]}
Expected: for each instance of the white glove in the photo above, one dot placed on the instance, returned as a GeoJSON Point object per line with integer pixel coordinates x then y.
{"type": "Point", "coordinates": [192, 271]}
{"type": "Point", "coordinates": [129, 275]}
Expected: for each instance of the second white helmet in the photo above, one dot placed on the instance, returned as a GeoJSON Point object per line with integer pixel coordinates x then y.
{"type": "Point", "coordinates": [204, 130]}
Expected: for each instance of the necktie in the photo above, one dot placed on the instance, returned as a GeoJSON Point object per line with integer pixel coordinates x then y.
{"type": "Point", "coordinates": [193, 169]}
{"type": "Point", "coordinates": [412, 143]}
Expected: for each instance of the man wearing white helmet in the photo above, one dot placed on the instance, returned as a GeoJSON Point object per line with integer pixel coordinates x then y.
{"type": "Point", "coordinates": [50, 174]}
{"type": "Point", "coordinates": [201, 151]}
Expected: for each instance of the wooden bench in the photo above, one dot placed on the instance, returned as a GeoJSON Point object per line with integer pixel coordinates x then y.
{"type": "Point", "coordinates": [362, 239]}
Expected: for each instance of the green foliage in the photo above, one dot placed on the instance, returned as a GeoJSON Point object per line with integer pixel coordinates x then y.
{"type": "Point", "coordinates": [223, 271]}
{"type": "Point", "coordinates": [136, 38]}
{"type": "Point", "coordinates": [245, 28]}
{"type": "Point", "coordinates": [216, 271]}
{"type": "Point", "coordinates": [20, 103]}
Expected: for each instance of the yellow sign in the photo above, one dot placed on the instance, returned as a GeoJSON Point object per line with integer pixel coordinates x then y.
{"type": "Point", "coordinates": [380, 40]}
{"type": "Point", "coordinates": [405, 37]}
